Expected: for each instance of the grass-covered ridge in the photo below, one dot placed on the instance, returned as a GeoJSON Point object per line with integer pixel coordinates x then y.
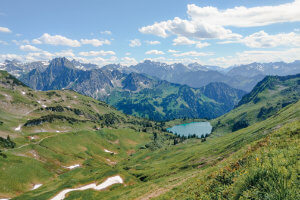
{"type": "Point", "coordinates": [66, 129]}
{"type": "Point", "coordinates": [265, 100]}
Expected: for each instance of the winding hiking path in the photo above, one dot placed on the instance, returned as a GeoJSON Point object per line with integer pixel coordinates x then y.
{"type": "Point", "coordinates": [24, 145]}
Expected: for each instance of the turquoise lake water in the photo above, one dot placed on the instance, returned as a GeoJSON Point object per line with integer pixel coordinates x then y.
{"type": "Point", "coordinates": [198, 128]}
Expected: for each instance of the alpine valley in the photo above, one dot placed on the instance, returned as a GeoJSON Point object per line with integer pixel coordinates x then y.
{"type": "Point", "coordinates": [58, 141]}
{"type": "Point", "coordinates": [134, 93]}
{"type": "Point", "coordinates": [149, 100]}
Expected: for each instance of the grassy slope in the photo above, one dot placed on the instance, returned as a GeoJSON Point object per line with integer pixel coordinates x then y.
{"type": "Point", "coordinates": [167, 101]}
{"type": "Point", "coordinates": [222, 168]}
{"type": "Point", "coordinates": [42, 159]}
{"type": "Point", "coordinates": [264, 169]}
{"type": "Point", "coordinates": [268, 97]}
{"type": "Point", "coordinates": [147, 173]}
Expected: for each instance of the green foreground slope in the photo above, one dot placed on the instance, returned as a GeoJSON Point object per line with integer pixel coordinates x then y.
{"type": "Point", "coordinates": [259, 160]}
{"type": "Point", "coordinates": [56, 129]}
{"type": "Point", "coordinates": [265, 100]}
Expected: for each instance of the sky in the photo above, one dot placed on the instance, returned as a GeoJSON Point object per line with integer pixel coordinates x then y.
{"type": "Point", "coordinates": [210, 32]}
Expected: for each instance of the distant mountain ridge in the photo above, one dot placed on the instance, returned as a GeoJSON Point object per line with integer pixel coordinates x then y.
{"type": "Point", "coordinates": [243, 77]}
{"type": "Point", "coordinates": [135, 93]}
{"type": "Point", "coordinates": [268, 97]}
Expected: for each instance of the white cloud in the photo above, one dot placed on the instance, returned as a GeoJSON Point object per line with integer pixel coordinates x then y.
{"type": "Point", "coordinates": [36, 56]}
{"type": "Point", "coordinates": [247, 17]}
{"type": "Point", "coordinates": [20, 42]}
{"type": "Point", "coordinates": [192, 53]}
{"type": "Point", "coordinates": [29, 48]}
{"type": "Point", "coordinates": [181, 40]}
{"type": "Point", "coordinates": [106, 32]}
{"type": "Point", "coordinates": [135, 43]}
{"type": "Point", "coordinates": [45, 55]}
{"type": "Point", "coordinates": [202, 44]}
{"type": "Point", "coordinates": [95, 42]}
{"type": "Point", "coordinates": [127, 54]}
{"type": "Point", "coordinates": [195, 29]}
{"type": "Point", "coordinates": [262, 39]}
{"type": "Point", "coordinates": [10, 57]}
{"type": "Point", "coordinates": [155, 52]}
{"type": "Point", "coordinates": [3, 42]}
{"type": "Point", "coordinates": [186, 60]}
{"type": "Point", "coordinates": [173, 51]}
{"type": "Point", "coordinates": [5, 30]}
{"type": "Point", "coordinates": [246, 57]}
{"type": "Point", "coordinates": [153, 42]}
{"type": "Point", "coordinates": [127, 61]}
{"type": "Point", "coordinates": [210, 22]}
{"type": "Point", "coordinates": [56, 40]}
{"type": "Point", "coordinates": [65, 53]}
{"type": "Point", "coordinates": [97, 53]}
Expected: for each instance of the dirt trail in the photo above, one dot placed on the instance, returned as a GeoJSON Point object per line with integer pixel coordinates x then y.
{"type": "Point", "coordinates": [24, 145]}
{"type": "Point", "coordinates": [160, 191]}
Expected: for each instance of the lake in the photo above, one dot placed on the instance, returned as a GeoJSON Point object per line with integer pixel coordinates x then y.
{"type": "Point", "coordinates": [197, 128]}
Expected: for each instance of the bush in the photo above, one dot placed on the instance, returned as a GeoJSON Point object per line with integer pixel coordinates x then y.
{"type": "Point", "coordinates": [240, 124]}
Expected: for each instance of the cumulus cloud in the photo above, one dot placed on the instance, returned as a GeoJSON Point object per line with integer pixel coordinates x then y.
{"type": "Point", "coordinates": [29, 48]}
{"type": "Point", "coordinates": [5, 30]}
{"type": "Point", "coordinates": [154, 52]}
{"type": "Point", "coordinates": [185, 60]}
{"type": "Point", "coordinates": [97, 60]}
{"type": "Point", "coordinates": [173, 51]}
{"type": "Point", "coordinates": [65, 53]}
{"type": "Point", "coordinates": [20, 42]}
{"type": "Point", "coordinates": [247, 17]}
{"type": "Point", "coordinates": [56, 40]}
{"type": "Point", "coordinates": [192, 53]}
{"type": "Point", "coordinates": [188, 28]}
{"type": "Point", "coordinates": [10, 57]}
{"type": "Point", "coordinates": [262, 39]}
{"type": "Point", "coordinates": [153, 42]}
{"type": "Point", "coordinates": [127, 61]}
{"type": "Point", "coordinates": [181, 40]}
{"type": "Point", "coordinates": [96, 53]}
{"type": "Point", "coordinates": [210, 22]}
{"type": "Point", "coordinates": [95, 42]}
{"type": "Point", "coordinates": [202, 44]}
{"type": "Point", "coordinates": [135, 43]}
{"type": "Point", "coordinates": [3, 42]}
{"type": "Point", "coordinates": [245, 57]}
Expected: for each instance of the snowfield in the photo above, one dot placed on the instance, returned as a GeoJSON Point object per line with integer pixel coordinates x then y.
{"type": "Point", "coordinates": [108, 182]}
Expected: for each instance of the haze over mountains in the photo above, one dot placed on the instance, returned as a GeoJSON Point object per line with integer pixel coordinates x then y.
{"type": "Point", "coordinates": [242, 77]}
{"type": "Point", "coordinates": [135, 93]}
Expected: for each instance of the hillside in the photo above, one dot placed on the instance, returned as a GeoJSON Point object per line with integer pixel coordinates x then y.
{"type": "Point", "coordinates": [136, 93]}
{"type": "Point", "coordinates": [44, 134]}
{"type": "Point", "coordinates": [60, 149]}
{"type": "Point", "coordinates": [268, 96]}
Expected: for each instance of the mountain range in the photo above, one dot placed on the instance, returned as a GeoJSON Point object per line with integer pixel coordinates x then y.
{"type": "Point", "coordinates": [135, 93]}
{"type": "Point", "coordinates": [243, 77]}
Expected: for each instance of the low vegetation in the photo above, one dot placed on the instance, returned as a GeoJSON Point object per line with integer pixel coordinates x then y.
{"type": "Point", "coordinates": [246, 156]}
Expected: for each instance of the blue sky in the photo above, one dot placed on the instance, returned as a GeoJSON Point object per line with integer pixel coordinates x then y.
{"type": "Point", "coordinates": [209, 32]}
